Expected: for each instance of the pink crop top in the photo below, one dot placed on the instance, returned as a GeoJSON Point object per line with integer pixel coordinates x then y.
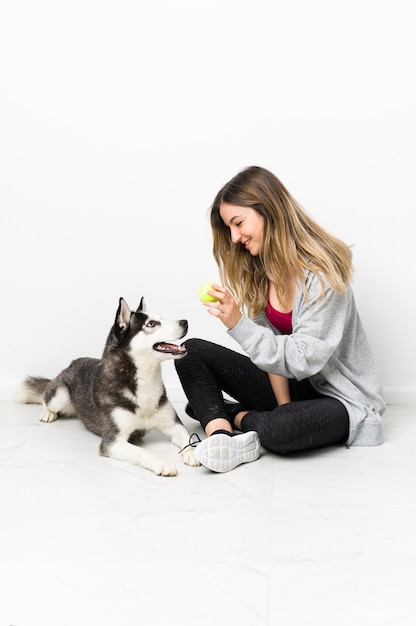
{"type": "Point", "coordinates": [281, 321]}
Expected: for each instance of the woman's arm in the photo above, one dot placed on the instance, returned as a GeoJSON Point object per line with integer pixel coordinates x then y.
{"type": "Point", "coordinates": [280, 386]}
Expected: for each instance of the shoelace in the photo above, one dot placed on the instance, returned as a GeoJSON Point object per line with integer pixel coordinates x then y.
{"type": "Point", "coordinates": [192, 443]}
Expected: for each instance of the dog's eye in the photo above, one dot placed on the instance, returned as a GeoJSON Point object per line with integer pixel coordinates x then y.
{"type": "Point", "coordinates": [151, 324]}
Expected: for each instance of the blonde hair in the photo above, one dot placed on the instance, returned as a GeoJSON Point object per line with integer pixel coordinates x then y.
{"type": "Point", "coordinates": [292, 241]}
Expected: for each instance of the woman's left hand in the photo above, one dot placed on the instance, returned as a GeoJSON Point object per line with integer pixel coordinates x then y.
{"type": "Point", "coordinates": [225, 308]}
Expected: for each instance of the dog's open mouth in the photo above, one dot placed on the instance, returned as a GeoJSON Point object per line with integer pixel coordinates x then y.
{"type": "Point", "coordinates": [170, 348]}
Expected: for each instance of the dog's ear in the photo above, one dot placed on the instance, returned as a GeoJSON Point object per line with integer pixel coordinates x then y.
{"type": "Point", "coordinates": [123, 315]}
{"type": "Point", "coordinates": [142, 306]}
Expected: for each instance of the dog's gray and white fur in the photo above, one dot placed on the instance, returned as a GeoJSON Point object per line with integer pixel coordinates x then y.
{"type": "Point", "coordinates": [121, 396]}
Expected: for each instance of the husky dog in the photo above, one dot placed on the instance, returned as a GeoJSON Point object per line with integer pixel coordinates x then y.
{"type": "Point", "coordinates": [121, 396]}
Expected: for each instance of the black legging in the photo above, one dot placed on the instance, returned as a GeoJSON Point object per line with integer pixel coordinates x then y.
{"type": "Point", "coordinates": [311, 420]}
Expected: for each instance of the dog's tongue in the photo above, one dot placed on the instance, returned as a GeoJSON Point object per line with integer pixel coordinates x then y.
{"type": "Point", "coordinates": [169, 347]}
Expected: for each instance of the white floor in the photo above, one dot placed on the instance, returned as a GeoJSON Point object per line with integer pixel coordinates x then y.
{"type": "Point", "coordinates": [324, 538]}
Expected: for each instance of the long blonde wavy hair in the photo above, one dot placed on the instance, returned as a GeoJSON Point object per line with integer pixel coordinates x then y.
{"type": "Point", "coordinates": [292, 242]}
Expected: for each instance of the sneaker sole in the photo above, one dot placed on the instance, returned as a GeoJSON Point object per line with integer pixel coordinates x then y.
{"type": "Point", "coordinates": [221, 453]}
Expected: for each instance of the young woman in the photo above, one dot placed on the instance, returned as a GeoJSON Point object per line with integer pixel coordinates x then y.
{"type": "Point", "coordinates": [309, 379]}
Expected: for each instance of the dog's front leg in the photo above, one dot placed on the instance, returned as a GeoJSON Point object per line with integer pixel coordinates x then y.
{"type": "Point", "coordinates": [179, 436]}
{"type": "Point", "coordinates": [122, 450]}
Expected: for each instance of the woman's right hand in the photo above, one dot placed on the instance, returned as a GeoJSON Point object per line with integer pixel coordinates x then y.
{"type": "Point", "coordinates": [226, 308]}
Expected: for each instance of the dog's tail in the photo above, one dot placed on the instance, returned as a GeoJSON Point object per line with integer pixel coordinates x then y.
{"type": "Point", "coordinates": [31, 390]}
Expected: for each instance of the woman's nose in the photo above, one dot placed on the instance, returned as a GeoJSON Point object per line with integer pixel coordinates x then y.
{"type": "Point", "coordinates": [235, 235]}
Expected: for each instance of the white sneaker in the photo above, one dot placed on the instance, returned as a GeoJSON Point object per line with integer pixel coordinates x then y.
{"type": "Point", "coordinates": [222, 453]}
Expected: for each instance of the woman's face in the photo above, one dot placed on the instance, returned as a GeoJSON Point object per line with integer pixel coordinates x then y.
{"type": "Point", "coordinates": [246, 226]}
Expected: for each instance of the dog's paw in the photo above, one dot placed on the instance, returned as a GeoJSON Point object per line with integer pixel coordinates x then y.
{"type": "Point", "coordinates": [188, 457]}
{"type": "Point", "coordinates": [162, 468]}
{"type": "Point", "coordinates": [47, 415]}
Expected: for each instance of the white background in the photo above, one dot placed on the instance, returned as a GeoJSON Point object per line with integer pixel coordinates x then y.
{"type": "Point", "coordinates": [120, 120]}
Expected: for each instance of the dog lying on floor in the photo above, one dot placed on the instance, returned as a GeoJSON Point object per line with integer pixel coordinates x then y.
{"type": "Point", "coordinates": [121, 396]}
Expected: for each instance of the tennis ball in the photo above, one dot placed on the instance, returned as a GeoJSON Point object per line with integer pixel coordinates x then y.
{"type": "Point", "coordinates": [202, 293]}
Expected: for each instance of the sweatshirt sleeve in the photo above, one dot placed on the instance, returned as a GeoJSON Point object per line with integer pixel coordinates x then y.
{"type": "Point", "coordinates": [318, 330]}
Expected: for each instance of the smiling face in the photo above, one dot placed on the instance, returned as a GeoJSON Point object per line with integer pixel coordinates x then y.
{"type": "Point", "coordinates": [246, 226]}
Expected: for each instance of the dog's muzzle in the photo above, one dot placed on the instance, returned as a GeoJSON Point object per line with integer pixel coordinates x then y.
{"type": "Point", "coordinates": [170, 348]}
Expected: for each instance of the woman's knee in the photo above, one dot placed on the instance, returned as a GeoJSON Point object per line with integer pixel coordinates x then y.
{"type": "Point", "coordinates": [194, 344]}
{"type": "Point", "coordinates": [194, 351]}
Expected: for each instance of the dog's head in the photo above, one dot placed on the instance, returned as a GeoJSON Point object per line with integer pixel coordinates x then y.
{"type": "Point", "coordinates": [141, 332]}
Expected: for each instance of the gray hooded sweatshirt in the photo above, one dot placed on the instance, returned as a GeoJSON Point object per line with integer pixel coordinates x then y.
{"type": "Point", "coordinates": [328, 346]}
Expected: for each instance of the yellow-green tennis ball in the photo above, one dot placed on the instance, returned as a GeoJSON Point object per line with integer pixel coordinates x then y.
{"type": "Point", "coordinates": [203, 295]}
